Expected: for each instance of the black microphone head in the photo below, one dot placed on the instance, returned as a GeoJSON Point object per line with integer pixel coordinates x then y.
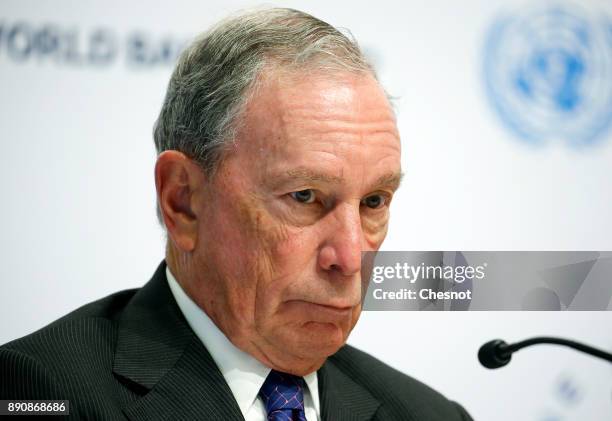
{"type": "Point", "coordinates": [494, 354]}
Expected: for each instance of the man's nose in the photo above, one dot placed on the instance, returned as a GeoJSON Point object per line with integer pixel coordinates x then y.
{"type": "Point", "coordinates": [342, 248]}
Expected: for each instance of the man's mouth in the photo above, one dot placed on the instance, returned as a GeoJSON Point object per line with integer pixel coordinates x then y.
{"type": "Point", "coordinates": [322, 312]}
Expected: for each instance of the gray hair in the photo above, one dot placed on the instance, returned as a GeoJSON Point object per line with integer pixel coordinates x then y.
{"type": "Point", "coordinates": [217, 73]}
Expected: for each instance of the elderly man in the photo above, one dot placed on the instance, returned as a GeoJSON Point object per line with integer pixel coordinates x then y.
{"type": "Point", "coordinates": [278, 159]}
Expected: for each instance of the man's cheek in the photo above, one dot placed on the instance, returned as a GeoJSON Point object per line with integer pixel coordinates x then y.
{"type": "Point", "coordinates": [282, 269]}
{"type": "Point", "coordinates": [262, 236]}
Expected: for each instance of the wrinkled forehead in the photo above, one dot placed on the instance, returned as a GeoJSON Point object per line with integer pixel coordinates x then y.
{"type": "Point", "coordinates": [323, 95]}
{"type": "Point", "coordinates": [292, 114]}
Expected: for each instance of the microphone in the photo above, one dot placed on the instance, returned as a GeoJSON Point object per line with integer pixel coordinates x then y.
{"type": "Point", "coordinates": [497, 353]}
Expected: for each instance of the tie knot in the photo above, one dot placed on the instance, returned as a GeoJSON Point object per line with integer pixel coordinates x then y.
{"type": "Point", "coordinates": [283, 392]}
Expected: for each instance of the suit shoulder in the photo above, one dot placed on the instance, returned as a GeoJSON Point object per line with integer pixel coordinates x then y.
{"type": "Point", "coordinates": [109, 307]}
{"type": "Point", "coordinates": [90, 326]}
{"type": "Point", "coordinates": [398, 392]}
{"type": "Point", "coordinates": [16, 367]}
{"type": "Point", "coordinates": [70, 359]}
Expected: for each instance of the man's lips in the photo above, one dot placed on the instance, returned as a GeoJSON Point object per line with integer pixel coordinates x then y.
{"type": "Point", "coordinates": [321, 312]}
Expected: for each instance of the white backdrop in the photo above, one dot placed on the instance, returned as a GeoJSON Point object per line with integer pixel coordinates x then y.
{"type": "Point", "coordinates": [78, 199]}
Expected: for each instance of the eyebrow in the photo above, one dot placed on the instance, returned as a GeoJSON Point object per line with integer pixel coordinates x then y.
{"type": "Point", "coordinates": [302, 173]}
{"type": "Point", "coordinates": [391, 179]}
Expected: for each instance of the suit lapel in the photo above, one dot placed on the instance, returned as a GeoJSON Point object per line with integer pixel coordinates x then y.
{"type": "Point", "coordinates": [159, 353]}
{"type": "Point", "coordinates": [342, 398]}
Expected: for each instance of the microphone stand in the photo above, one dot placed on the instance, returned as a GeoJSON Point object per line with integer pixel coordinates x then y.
{"type": "Point", "coordinates": [497, 353]}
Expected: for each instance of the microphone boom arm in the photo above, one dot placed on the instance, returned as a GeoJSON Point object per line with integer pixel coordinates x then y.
{"type": "Point", "coordinates": [497, 353]}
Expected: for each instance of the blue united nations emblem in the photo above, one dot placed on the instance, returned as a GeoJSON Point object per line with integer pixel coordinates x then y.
{"type": "Point", "coordinates": [548, 73]}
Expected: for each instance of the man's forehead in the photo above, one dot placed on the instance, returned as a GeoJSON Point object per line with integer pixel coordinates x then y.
{"type": "Point", "coordinates": [280, 115]}
{"type": "Point", "coordinates": [347, 96]}
{"type": "Point", "coordinates": [312, 128]}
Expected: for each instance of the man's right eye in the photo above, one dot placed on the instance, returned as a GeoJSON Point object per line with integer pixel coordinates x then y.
{"type": "Point", "coordinates": [304, 196]}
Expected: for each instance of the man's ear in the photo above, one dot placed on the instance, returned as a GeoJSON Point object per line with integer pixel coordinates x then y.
{"type": "Point", "coordinates": [179, 182]}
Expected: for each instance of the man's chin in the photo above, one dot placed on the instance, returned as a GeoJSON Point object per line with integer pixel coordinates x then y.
{"type": "Point", "coordinates": [320, 339]}
{"type": "Point", "coordinates": [303, 348]}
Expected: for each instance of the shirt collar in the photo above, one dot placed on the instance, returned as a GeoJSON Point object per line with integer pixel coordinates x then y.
{"type": "Point", "coordinates": [243, 373]}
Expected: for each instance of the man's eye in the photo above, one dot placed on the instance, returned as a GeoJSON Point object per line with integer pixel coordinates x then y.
{"type": "Point", "coordinates": [374, 202]}
{"type": "Point", "coordinates": [304, 196]}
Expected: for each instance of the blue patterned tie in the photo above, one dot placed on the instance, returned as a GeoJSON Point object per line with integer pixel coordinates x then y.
{"type": "Point", "coordinates": [283, 395]}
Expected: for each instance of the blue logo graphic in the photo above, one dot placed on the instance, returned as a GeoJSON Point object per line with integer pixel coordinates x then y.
{"type": "Point", "coordinates": [548, 73]}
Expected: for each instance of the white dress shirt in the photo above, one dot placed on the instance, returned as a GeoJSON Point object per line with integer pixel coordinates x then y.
{"type": "Point", "coordinates": [243, 373]}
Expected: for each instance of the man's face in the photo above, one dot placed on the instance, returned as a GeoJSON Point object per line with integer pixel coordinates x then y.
{"type": "Point", "coordinates": [283, 224]}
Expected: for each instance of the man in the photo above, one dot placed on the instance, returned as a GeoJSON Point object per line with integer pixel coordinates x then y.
{"type": "Point", "coordinates": [278, 159]}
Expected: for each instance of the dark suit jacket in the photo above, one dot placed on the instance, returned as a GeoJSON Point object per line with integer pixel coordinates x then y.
{"type": "Point", "coordinates": [133, 356]}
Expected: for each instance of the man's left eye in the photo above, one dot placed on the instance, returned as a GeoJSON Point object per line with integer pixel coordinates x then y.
{"type": "Point", "coordinates": [304, 196]}
{"type": "Point", "coordinates": [374, 202]}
